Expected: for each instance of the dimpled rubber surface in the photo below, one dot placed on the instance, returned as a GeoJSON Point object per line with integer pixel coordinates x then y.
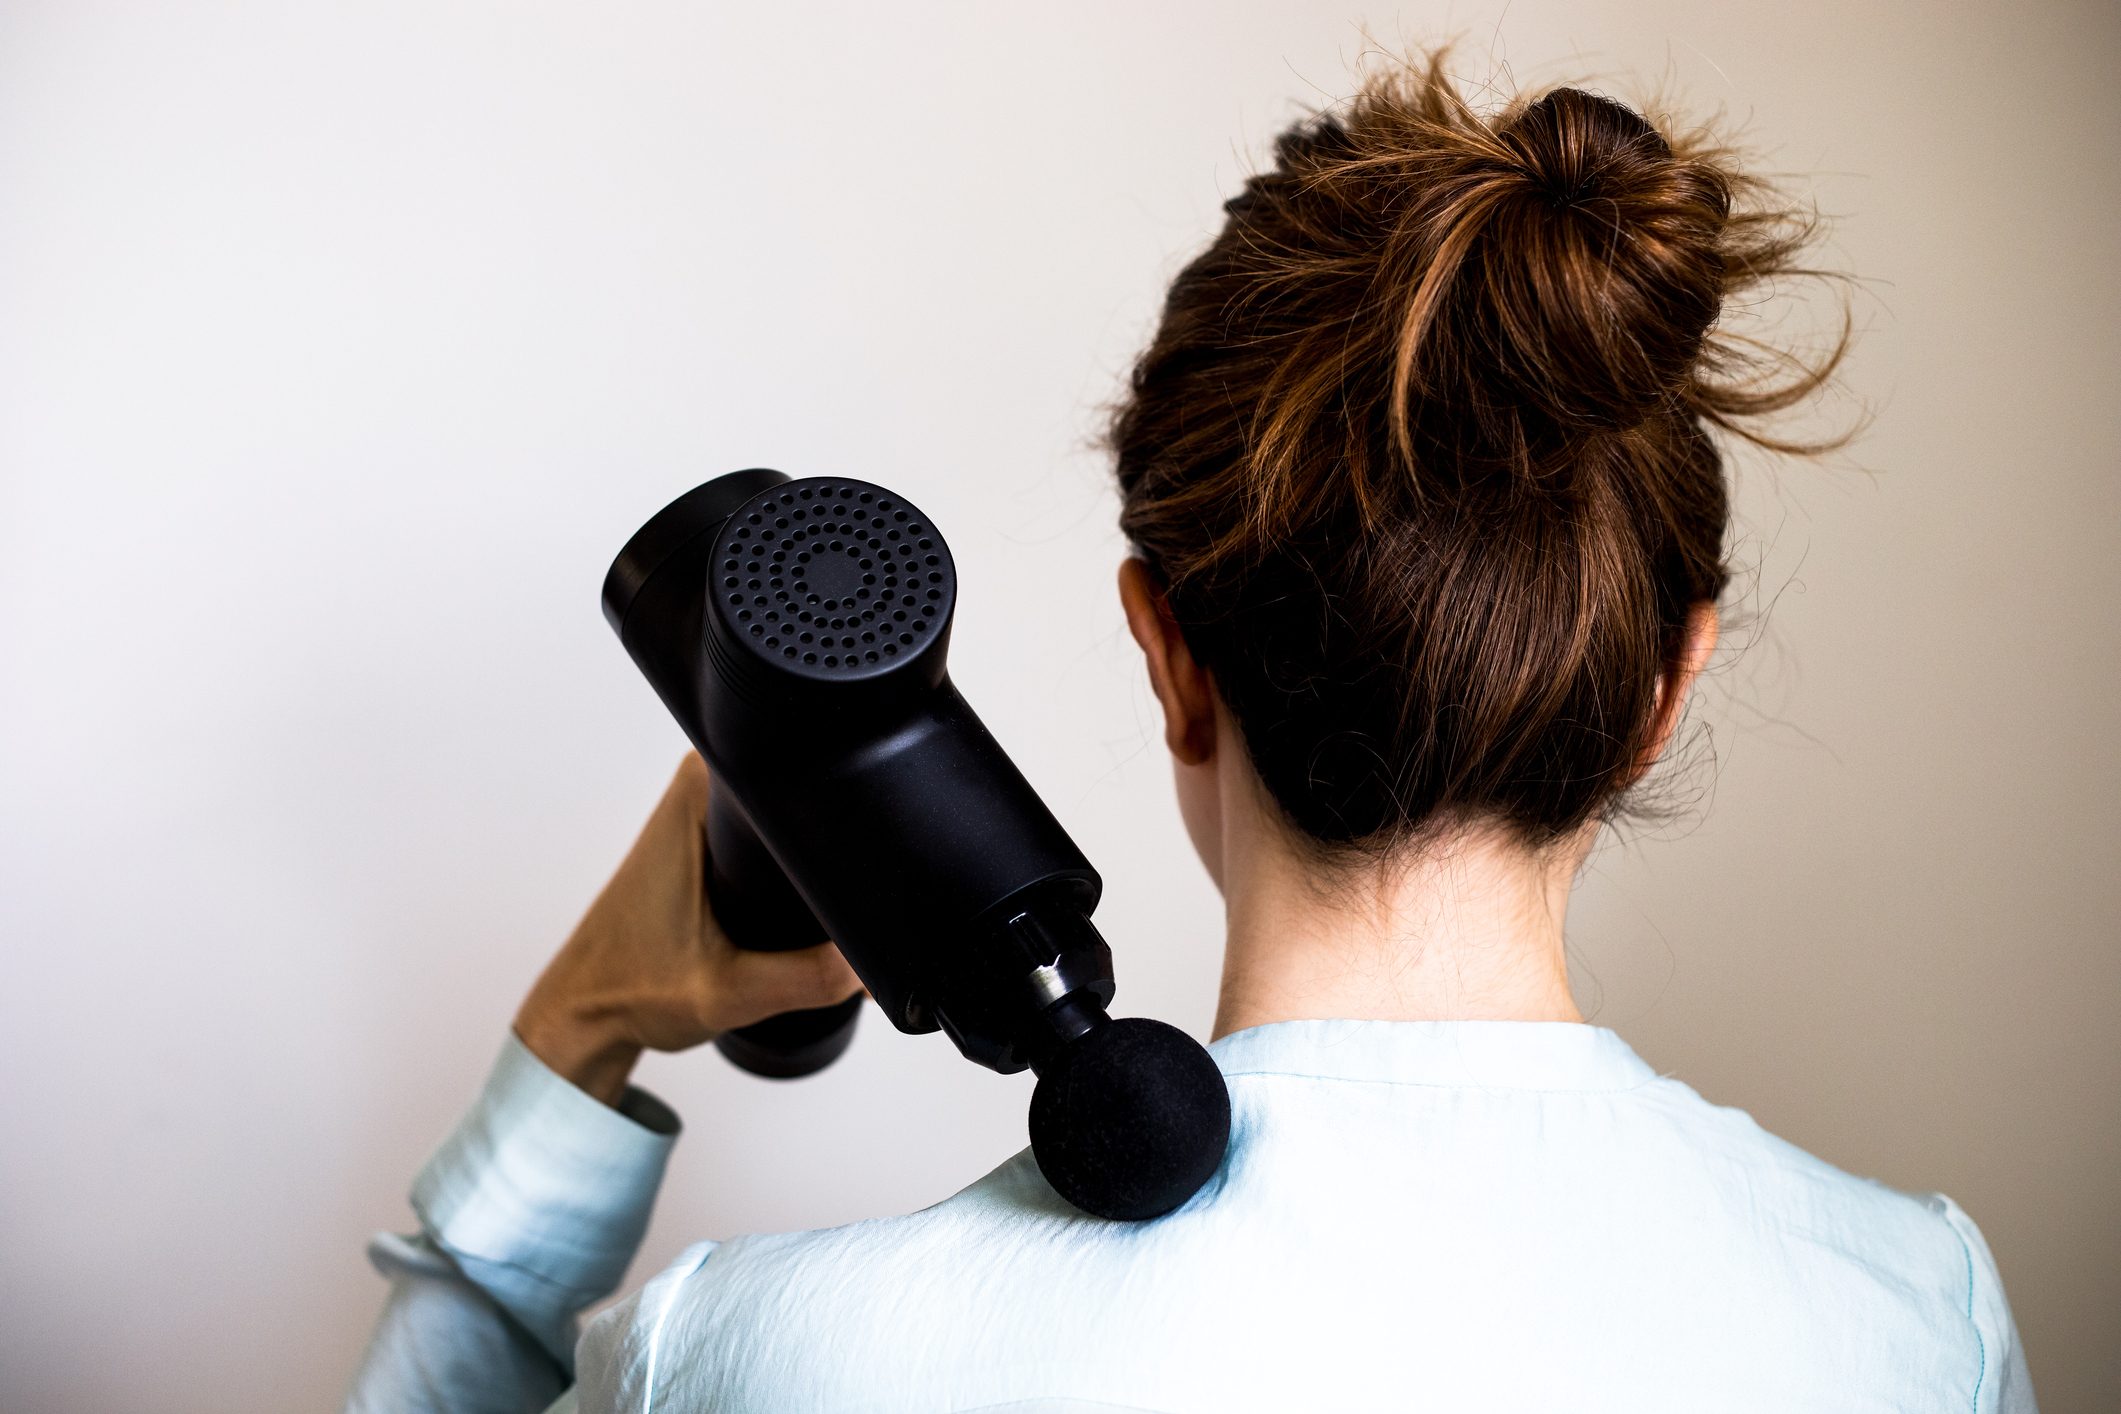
{"type": "Point", "coordinates": [830, 577]}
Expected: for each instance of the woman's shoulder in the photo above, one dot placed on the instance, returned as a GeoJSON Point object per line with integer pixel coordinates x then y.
{"type": "Point", "coordinates": [747, 1323]}
{"type": "Point", "coordinates": [1724, 1144]}
{"type": "Point", "coordinates": [1725, 1157]}
{"type": "Point", "coordinates": [1921, 1242]}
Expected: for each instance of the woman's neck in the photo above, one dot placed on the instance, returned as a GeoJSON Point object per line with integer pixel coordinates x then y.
{"type": "Point", "coordinates": [1473, 931]}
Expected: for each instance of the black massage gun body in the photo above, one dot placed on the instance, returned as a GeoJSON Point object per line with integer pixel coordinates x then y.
{"type": "Point", "coordinates": [798, 631]}
{"type": "Point", "coordinates": [842, 756]}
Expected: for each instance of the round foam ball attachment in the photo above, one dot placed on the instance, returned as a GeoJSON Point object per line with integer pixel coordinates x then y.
{"type": "Point", "coordinates": [1130, 1119]}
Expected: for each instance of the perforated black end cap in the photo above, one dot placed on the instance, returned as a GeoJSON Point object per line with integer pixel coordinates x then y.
{"type": "Point", "coordinates": [1129, 1119]}
{"type": "Point", "coordinates": [831, 579]}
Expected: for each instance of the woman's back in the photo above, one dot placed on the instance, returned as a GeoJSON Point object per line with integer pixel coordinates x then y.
{"type": "Point", "coordinates": [1449, 1215]}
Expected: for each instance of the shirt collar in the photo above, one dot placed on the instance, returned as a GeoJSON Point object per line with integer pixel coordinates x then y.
{"type": "Point", "coordinates": [1494, 1055]}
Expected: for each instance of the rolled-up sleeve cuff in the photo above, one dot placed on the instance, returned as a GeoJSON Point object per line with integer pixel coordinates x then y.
{"type": "Point", "coordinates": [542, 1193]}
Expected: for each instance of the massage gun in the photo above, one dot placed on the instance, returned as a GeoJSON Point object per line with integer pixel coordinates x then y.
{"type": "Point", "coordinates": [797, 630]}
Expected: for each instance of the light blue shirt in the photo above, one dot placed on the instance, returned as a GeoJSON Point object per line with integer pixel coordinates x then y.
{"type": "Point", "coordinates": [1412, 1215]}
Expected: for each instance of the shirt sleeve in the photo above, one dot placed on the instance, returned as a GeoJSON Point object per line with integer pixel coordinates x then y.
{"type": "Point", "coordinates": [2005, 1385]}
{"type": "Point", "coordinates": [529, 1211]}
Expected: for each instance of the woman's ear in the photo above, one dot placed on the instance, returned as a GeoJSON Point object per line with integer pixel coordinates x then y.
{"type": "Point", "coordinates": [1697, 642]}
{"type": "Point", "coordinates": [1181, 684]}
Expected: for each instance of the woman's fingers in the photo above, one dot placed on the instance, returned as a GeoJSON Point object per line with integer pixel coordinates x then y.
{"type": "Point", "coordinates": [745, 986]}
{"type": "Point", "coordinates": [762, 984]}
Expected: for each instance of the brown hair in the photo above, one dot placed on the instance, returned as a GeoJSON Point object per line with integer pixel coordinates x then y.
{"type": "Point", "coordinates": [1421, 451]}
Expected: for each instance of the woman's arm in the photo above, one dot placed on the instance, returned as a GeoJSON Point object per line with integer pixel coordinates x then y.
{"type": "Point", "coordinates": [533, 1207]}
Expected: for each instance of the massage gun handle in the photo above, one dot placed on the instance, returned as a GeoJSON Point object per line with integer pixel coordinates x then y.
{"type": "Point", "coordinates": [759, 909]}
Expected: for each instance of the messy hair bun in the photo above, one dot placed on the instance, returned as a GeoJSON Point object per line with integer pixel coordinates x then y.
{"type": "Point", "coordinates": [1421, 450]}
{"type": "Point", "coordinates": [1596, 278]}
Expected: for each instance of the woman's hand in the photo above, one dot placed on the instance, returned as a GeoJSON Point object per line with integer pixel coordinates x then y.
{"type": "Point", "coordinates": [649, 969]}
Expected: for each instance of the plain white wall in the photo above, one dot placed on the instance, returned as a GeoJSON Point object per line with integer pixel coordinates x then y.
{"type": "Point", "coordinates": [340, 348]}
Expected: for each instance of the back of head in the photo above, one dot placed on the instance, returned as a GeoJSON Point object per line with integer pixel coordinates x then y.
{"type": "Point", "coordinates": [1422, 451]}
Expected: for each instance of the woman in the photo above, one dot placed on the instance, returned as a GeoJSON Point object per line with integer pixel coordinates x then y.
{"type": "Point", "coordinates": [1429, 527]}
